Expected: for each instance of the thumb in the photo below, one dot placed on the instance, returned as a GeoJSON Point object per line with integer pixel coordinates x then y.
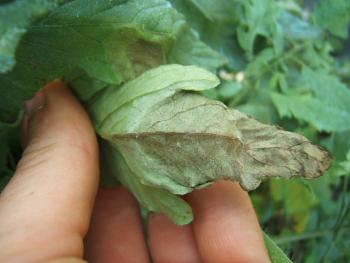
{"type": "Point", "coordinates": [45, 209]}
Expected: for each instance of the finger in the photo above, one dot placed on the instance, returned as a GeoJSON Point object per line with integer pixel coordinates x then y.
{"type": "Point", "coordinates": [225, 226]}
{"type": "Point", "coordinates": [67, 260]}
{"type": "Point", "coordinates": [116, 233]}
{"type": "Point", "coordinates": [171, 243]}
{"type": "Point", "coordinates": [46, 207]}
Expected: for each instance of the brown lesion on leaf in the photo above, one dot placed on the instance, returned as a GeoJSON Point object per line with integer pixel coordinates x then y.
{"type": "Point", "coordinates": [288, 155]}
{"type": "Point", "coordinates": [145, 55]}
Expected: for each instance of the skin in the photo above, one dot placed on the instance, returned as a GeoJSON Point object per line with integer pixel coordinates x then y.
{"type": "Point", "coordinates": [53, 210]}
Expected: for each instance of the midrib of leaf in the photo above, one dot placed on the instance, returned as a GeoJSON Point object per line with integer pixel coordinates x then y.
{"type": "Point", "coordinates": [141, 135]}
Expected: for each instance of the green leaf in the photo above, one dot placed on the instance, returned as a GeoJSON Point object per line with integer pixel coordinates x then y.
{"type": "Point", "coordinates": [323, 189]}
{"type": "Point", "coordinates": [153, 199]}
{"type": "Point", "coordinates": [189, 50]}
{"type": "Point", "coordinates": [338, 144]}
{"type": "Point", "coordinates": [297, 29]}
{"type": "Point", "coordinates": [109, 41]}
{"type": "Point", "coordinates": [333, 16]}
{"type": "Point", "coordinates": [174, 139]}
{"type": "Point", "coordinates": [229, 89]}
{"type": "Point", "coordinates": [323, 117]}
{"type": "Point", "coordinates": [261, 112]}
{"type": "Point", "coordinates": [327, 88]}
{"type": "Point", "coordinates": [216, 23]}
{"type": "Point", "coordinates": [260, 18]}
{"type": "Point", "coordinates": [15, 18]}
{"type": "Point", "coordinates": [327, 107]}
{"type": "Point", "coordinates": [260, 63]}
{"type": "Point", "coordinates": [218, 10]}
{"type": "Point", "coordinates": [258, 105]}
{"type": "Point", "coordinates": [276, 254]}
{"type": "Point", "coordinates": [297, 200]}
{"type": "Point", "coordinates": [346, 164]}
{"type": "Point", "coordinates": [169, 78]}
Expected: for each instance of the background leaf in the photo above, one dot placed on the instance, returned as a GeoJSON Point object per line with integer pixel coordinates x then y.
{"type": "Point", "coordinates": [111, 41]}
{"type": "Point", "coordinates": [333, 16]}
{"type": "Point", "coordinates": [14, 23]}
{"type": "Point", "coordinates": [275, 253]}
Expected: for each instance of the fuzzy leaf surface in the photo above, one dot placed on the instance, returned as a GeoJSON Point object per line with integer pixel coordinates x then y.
{"type": "Point", "coordinates": [172, 138]}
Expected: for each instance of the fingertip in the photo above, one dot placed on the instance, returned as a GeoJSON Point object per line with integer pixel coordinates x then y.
{"type": "Point", "coordinates": [225, 226]}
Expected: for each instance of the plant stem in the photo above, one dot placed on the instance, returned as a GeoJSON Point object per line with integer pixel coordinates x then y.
{"type": "Point", "coordinates": [305, 236]}
{"type": "Point", "coordinates": [343, 213]}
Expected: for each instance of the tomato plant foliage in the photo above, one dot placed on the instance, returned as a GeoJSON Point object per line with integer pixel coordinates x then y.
{"type": "Point", "coordinates": [171, 87]}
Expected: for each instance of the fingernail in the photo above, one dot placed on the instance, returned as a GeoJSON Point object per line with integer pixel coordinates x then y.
{"type": "Point", "coordinates": [35, 104]}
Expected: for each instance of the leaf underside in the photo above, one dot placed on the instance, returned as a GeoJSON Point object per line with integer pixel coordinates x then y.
{"type": "Point", "coordinates": [169, 137]}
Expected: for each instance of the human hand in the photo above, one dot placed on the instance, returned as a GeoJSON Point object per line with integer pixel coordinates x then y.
{"type": "Point", "coordinates": [46, 208]}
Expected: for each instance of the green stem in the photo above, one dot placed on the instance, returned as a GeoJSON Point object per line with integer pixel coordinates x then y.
{"type": "Point", "coordinates": [305, 236]}
{"type": "Point", "coordinates": [343, 214]}
{"type": "Point", "coordinates": [285, 56]}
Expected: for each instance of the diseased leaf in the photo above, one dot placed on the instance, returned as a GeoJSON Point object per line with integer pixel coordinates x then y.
{"type": "Point", "coordinates": [167, 78]}
{"type": "Point", "coordinates": [172, 138]}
